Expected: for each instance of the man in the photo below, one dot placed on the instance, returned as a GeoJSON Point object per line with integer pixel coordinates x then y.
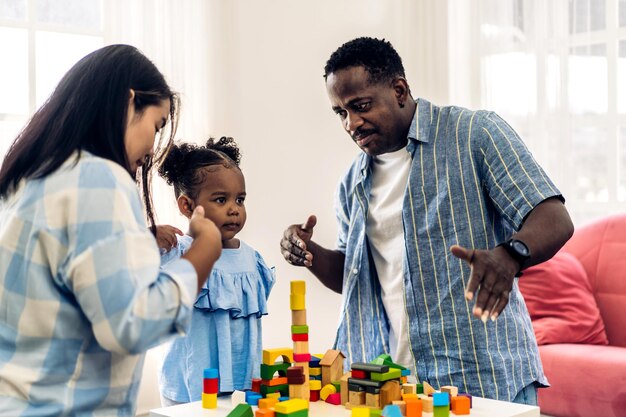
{"type": "Point", "coordinates": [432, 182]}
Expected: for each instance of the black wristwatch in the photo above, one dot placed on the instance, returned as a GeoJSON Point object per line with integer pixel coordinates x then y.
{"type": "Point", "coordinates": [518, 251]}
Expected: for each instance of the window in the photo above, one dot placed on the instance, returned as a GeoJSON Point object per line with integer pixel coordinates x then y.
{"type": "Point", "coordinates": [41, 40]}
{"type": "Point", "coordinates": [556, 70]}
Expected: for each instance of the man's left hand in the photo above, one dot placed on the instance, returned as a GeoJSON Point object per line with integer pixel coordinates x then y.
{"type": "Point", "coordinates": [492, 274]}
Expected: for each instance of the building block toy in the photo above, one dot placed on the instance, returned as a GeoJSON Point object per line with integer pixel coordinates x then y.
{"type": "Point", "coordinates": [441, 399]}
{"type": "Point", "coordinates": [267, 402]}
{"type": "Point", "coordinates": [360, 412]}
{"type": "Point", "coordinates": [209, 388]}
{"type": "Point", "coordinates": [334, 399]}
{"type": "Point", "coordinates": [332, 366]}
{"type": "Point", "coordinates": [264, 412]}
{"type": "Point", "coordinates": [391, 411]}
{"type": "Point", "coordinates": [268, 371]}
{"type": "Point", "coordinates": [241, 410]}
{"type": "Point", "coordinates": [441, 411]}
{"type": "Point", "coordinates": [291, 406]}
{"type": "Point", "coordinates": [209, 400]}
{"type": "Point", "coordinates": [460, 405]}
{"type": "Point", "coordinates": [270, 355]}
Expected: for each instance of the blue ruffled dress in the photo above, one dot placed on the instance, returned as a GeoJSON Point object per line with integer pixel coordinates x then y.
{"type": "Point", "coordinates": [225, 328]}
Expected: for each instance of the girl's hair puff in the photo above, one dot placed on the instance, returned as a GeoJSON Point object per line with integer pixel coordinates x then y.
{"type": "Point", "coordinates": [184, 166]}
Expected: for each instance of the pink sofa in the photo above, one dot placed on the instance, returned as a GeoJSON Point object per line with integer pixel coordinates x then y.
{"type": "Point", "coordinates": [578, 307]}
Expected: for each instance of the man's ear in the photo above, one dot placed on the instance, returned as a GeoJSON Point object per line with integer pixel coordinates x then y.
{"type": "Point", "coordinates": [401, 90]}
{"type": "Point", "coordinates": [185, 205]}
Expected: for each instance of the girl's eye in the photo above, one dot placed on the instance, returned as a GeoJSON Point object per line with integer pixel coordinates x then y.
{"type": "Point", "coordinates": [240, 200]}
{"type": "Point", "coordinates": [220, 200]}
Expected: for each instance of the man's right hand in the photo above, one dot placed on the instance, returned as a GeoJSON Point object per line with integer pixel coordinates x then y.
{"type": "Point", "coordinates": [294, 243]}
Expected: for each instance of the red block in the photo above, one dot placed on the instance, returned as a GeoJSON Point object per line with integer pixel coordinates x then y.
{"type": "Point", "coordinates": [209, 386]}
{"type": "Point", "coordinates": [334, 399]}
{"type": "Point", "coordinates": [256, 384]}
{"type": "Point", "coordinates": [314, 395]}
{"type": "Point", "coordinates": [302, 337]}
{"type": "Point", "coordinates": [301, 357]}
{"type": "Point", "coordinates": [359, 374]}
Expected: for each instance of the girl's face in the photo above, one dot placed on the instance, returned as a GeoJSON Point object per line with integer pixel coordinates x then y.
{"type": "Point", "coordinates": [141, 130]}
{"type": "Point", "coordinates": [222, 195]}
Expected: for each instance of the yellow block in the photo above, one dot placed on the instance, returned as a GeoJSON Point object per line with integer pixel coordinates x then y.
{"type": "Point", "coordinates": [360, 412]}
{"type": "Point", "coordinates": [297, 301]}
{"type": "Point", "coordinates": [270, 355]}
{"type": "Point", "coordinates": [298, 287]}
{"type": "Point", "coordinates": [291, 406]}
{"type": "Point", "coordinates": [209, 400]}
{"type": "Point", "coordinates": [315, 371]}
{"type": "Point", "coordinates": [267, 402]}
{"type": "Point", "coordinates": [327, 390]}
{"type": "Point", "coordinates": [275, 395]}
{"type": "Point", "coordinates": [315, 384]}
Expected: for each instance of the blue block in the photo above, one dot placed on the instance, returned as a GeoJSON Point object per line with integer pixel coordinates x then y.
{"type": "Point", "coordinates": [405, 372]}
{"type": "Point", "coordinates": [441, 398]}
{"type": "Point", "coordinates": [391, 411]}
{"type": "Point", "coordinates": [210, 373]}
{"type": "Point", "coordinates": [314, 362]}
{"type": "Point", "coordinates": [253, 397]}
{"type": "Point", "coordinates": [283, 398]}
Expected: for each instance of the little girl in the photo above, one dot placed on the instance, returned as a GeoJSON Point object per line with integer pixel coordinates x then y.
{"type": "Point", "coordinates": [226, 322]}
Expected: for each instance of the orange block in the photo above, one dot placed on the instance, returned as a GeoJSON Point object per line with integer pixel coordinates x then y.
{"type": "Point", "coordinates": [413, 407]}
{"type": "Point", "coordinates": [281, 380]}
{"type": "Point", "coordinates": [267, 402]}
{"type": "Point", "coordinates": [460, 405]}
{"type": "Point", "coordinates": [264, 412]}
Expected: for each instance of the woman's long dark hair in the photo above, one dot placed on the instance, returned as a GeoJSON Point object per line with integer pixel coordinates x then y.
{"type": "Point", "coordinates": [88, 111]}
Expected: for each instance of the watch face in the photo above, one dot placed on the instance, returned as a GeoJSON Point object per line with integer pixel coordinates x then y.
{"type": "Point", "coordinates": [520, 247]}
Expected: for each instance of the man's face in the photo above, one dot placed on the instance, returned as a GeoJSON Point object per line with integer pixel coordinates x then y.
{"type": "Point", "coordinates": [369, 112]}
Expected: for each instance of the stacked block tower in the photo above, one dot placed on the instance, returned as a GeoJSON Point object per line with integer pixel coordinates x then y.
{"type": "Point", "coordinates": [300, 336]}
{"type": "Point", "coordinates": [209, 388]}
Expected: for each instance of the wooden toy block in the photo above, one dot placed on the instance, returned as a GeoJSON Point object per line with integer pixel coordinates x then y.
{"type": "Point", "coordinates": [356, 398]}
{"type": "Point", "coordinates": [295, 371]}
{"type": "Point", "coordinates": [360, 374]}
{"type": "Point", "coordinates": [270, 355]}
{"type": "Point", "coordinates": [390, 392]}
{"type": "Point", "coordinates": [360, 412]}
{"type": "Point", "coordinates": [332, 366]}
{"type": "Point", "coordinates": [301, 347]}
{"type": "Point", "coordinates": [297, 287]}
{"type": "Point", "coordinates": [315, 371]}
{"type": "Point", "coordinates": [460, 405]}
{"type": "Point", "coordinates": [369, 367]}
{"type": "Point", "coordinates": [314, 395]}
{"type": "Point", "coordinates": [268, 371]}
{"type": "Point", "coordinates": [275, 395]}
{"type": "Point", "coordinates": [253, 398]}
{"type": "Point", "coordinates": [304, 365]}
{"type": "Point", "coordinates": [241, 410]}
{"type": "Point", "coordinates": [267, 402]}
{"type": "Point", "coordinates": [420, 388]}
{"type": "Point", "coordinates": [291, 406]}
{"type": "Point", "coordinates": [300, 337]}
{"type": "Point", "coordinates": [428, 389]}
{"type": "Point", "coordinates": [297, 301]}
{"type": "Point", "coordinates": [409, 388]}
{"type": "Point", "coordinates": [403, 380]}
{"type": "Point", "coordinates": [271, 382]}
{"type": "Point", "coordinates": [315, 385]}
{"type": "Point", "coordinates": [210, 373]}
{"type": "Point", "coordinates": [210, 385]}
{"type": "Point", "coordinates": [283, 389]}
{"type": "Point", "coordinates": [427, 404]}
{"type": "Point", "coordinates": [238, 397]}
{"type": "Point", "coordinates": [392, 374]}
{"type": "Point", "coordinates": [264, 412]}
{"type": "Point", "coordinates": [256, 384]}
{"type": "Point", "coordinates": [326, 391]}
{"type": "Point", "coordinates": [300, 329]}
{"type": "Point", "coordinates": [301, 357]}
{"type": "Point", "coordinates": [301, 413]}
{"type": "Point", "coordinates": [468, 396]}
{"type": "Point", "coordinates": [298, 317]}
{"type": "Point", "coordinates": [441, 411]}
{"type": "Point", "coordinates": [343, 382]}
{"type": "Point", "coordinates": [209, 400]}
{"type": "Point", "coordinates": [365, 383]}
{"type": "Point", "coordinates": [334, 399]}
{"type": "Point", "coordinates": [401, 405]}
{"type": "Point", "coordinates": [441, 399]}
{"type": "Point", "coordinates": [413, 407]}
{"type": "Point", "coordinates": [296, 380]}
{"type": "Point", "coordinates": [407, 397]}
{"type": "Point", "coordinates": [391, 411]}
{"type": "Point", "coordinates": [372, 400]}
{"type": "Point", "coordinates": [450, 389]}
{"type": "Point", "coordinates": [300, 391]}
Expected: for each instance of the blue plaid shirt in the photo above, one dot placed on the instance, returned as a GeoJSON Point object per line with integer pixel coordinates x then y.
{"type": "Point", "coordinates": [81, 294]}
{"type": "Point", "coordinates": [472, 182]}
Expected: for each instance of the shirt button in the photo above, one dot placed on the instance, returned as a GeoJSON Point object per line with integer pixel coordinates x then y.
{"type": "Point", "coordinates": [355, 271]}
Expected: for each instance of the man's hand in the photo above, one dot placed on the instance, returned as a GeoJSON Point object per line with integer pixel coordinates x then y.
{"type": "Point", "coordinates": [166, 236]}
{"type": "Point", "coordinates": [294, 243]}
{"type": "Point", "coordinates": [492, 273]}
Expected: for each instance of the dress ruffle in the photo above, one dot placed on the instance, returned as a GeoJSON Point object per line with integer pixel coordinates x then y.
{"type": "Point", "coordinates": [243, 293]}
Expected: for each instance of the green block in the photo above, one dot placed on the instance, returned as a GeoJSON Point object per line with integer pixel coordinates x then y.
{"type": "Point", "coordinates": [441, 411]}
{"type": "Point", "coordinates": [283, 389]}
{"type": "Point", "coordinates": [301, 413]}
{"type": "Point", "coordinates": [337, 385]}
{"type": "Point", "coordinates": [420, 388]}
{"type": "Point", "coordinates": [242, 410]}
{"type": "Point", "coordinates": [375, 412]}
{"type": "Point", "coordinates": [392, 374]}
{"type": "Point", "coordinates": [385, 359]}
{"type": "Point", "coordinates": [302, 329]}
{"type": "Point", "coordinates": [268, 371]}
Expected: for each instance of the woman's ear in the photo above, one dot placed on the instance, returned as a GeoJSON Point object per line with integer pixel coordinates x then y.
{"type": "Point", "coordinates": [185, 205]}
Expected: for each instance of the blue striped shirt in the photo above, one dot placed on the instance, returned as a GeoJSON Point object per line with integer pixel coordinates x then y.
{"type": "Point", "coordinates": [472, 182]}
{"type": "Point", "coordinates": [81, 294]}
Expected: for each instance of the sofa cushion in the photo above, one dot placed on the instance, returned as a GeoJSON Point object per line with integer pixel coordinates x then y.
{"type": "Point", "coordinates": [560, 302]}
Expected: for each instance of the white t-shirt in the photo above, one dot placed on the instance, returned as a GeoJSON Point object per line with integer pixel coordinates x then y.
{"type": "Point", "coordinates": [386, 238]}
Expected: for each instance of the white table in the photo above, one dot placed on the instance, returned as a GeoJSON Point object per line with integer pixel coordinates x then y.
{"type": "Point", "coordinates": [482, 407]}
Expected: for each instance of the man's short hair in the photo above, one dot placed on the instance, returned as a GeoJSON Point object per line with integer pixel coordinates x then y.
{"type": "Point", "coordinates": [377, 56]}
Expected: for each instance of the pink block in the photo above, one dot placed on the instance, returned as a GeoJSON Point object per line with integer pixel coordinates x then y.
{"type": "Point", "coordinates": [301, 357]}
{"type": "Point", "coordinates": [334, 399]}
